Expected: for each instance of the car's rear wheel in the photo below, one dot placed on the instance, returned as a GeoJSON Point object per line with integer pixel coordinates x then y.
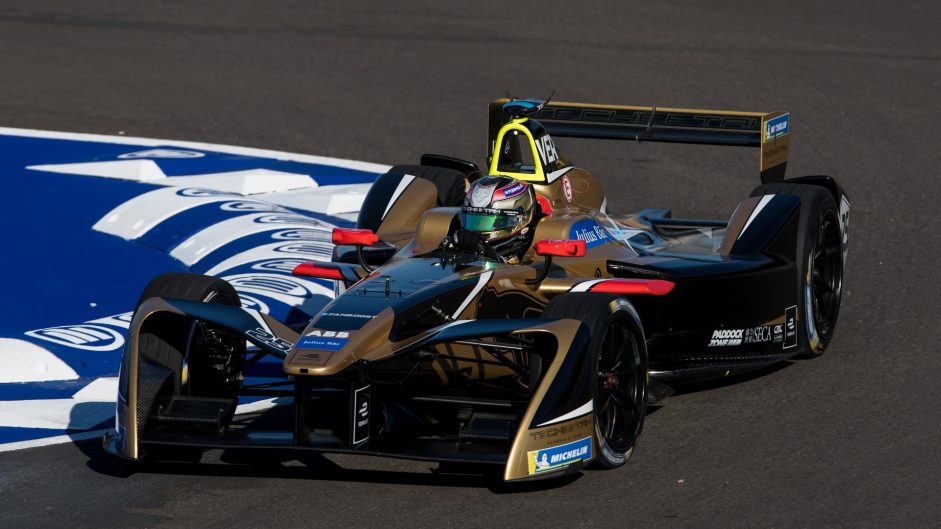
{"type": "Point", "coordinates": [819, 264]}
{"type": "Point", "coordinates": [619, 359]}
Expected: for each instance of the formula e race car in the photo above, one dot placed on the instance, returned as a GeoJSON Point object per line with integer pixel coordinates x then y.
{"type": "Point", "coordinates": [437, 349]}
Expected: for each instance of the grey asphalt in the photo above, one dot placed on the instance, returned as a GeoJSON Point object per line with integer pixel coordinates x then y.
{"type": "Point", "coordinates": [847, 440]}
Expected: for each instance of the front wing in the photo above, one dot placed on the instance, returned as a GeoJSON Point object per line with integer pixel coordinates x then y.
{"type": "Point", "coordinates": [551, 431]}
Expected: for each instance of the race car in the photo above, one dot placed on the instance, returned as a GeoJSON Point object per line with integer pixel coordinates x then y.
{"type": "Point", "coordinates": [501, 317]}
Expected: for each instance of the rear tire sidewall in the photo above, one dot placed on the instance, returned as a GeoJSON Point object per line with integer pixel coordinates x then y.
{"type": "Point", "coordinates": [816, 204]}
{"type": "Point", "coordinates": [812, 343]}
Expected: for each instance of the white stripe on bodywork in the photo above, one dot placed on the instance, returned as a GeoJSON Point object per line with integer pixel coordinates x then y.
{"type": "Point", "coordinates": [482, 281]}
{"type": "Point", "coordinates": [754, 214]}
{"type": "Point", "coordinates": [555, 175]}
{"type": "Point", "coordinates": [578, 412]}
{"type": "Point", "coordinates": [399, 189]}
{"type": "Point", "coordinates": [585, 286]}
{"type": "Point", "coordinates": [218, 235]}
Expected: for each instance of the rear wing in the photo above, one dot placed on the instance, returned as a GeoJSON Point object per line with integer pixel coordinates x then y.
{"type": "Point", "coordinates": [767, 131]}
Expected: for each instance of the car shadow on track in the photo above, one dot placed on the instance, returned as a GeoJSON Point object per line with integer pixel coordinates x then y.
{"type": "Point", "coordinates": [696, 387]}
{"type": "Point", "coordinates": [287, 464]}
{"type": "Point", "coordinates": [292, 464]}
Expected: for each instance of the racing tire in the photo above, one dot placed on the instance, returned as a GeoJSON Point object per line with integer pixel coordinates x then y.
{"type": "Point", "coordinates": [170, 346]}
{"type": "Point", "coordinates": [166, 344]}
{"type": "Point", "coordinates": [619, 358]}
{"type": "Point", "coordinates": [450, 184]}
{"type": "Point", "coordinates": [819, 264]}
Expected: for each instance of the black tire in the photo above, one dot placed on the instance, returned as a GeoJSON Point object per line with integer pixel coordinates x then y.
{"type": "Point", "coordinates": [167, 342]}
{"type": "Point", "coordinates": [619, 357]}
{"type": "Point", "coordinates": [450, 184]}
{"type": "Point", "coordinates": [819, 264]}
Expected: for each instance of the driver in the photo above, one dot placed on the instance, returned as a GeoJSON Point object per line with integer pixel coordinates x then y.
{"type": "Point", "coordinates": [498, 218]}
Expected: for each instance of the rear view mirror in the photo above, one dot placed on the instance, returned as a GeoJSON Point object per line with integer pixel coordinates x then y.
{"type": "Point", "coordinates": [559, 248]}
{"type": "Point", "coordinates": [562, 248]}
{"type": "Point", "coordinates": [354, 237]}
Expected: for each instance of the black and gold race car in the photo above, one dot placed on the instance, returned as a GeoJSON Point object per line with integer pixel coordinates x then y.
{"type": "Point", "coordinates": [436, 349]}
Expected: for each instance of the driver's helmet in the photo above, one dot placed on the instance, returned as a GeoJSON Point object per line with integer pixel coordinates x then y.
{"type": "Point", "coordinates": [501, 210]}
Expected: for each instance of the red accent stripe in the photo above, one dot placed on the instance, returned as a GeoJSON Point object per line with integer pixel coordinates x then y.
{"type": "Point", "coordinates": [654, 287]}
{"type": "Point", "coordinates": [311, 269]}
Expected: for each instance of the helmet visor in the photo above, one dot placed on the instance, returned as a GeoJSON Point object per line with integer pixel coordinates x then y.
{"type": "Point", "coordinates": [488, 219]}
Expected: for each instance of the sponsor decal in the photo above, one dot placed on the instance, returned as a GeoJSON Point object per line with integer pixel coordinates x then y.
{"type": "Point", "coordinates": [844, 225]}
{"type": "Point", "coordinates": [726, 337]}
{"type": "Point", "coordinates": [557, 457]}
{"type": "Point", "coordinates": [326, 344]}
{"type": "Point", "coordinates": [567, 188]}
{"type": "Point", "coordinates": [360, 415]}
{"type": "Point", "coordinates": [161, 153]}
{"type": "Point", "coordinates": [268, 284]}
{"type": "Point", "coordinates": [590, 232]}
{"type": "Point", "coordinates": [790, 327]}
{"type": "Point", "coordinates": [481, 196]}
{"type": "Point", "coordinates": [245, 206]}
{"type": "Point", "coordinates": [313, 357]}
{"type": "Point", "coordinates": [347, 315]}
{"type": "Point", "coordinates": [253, 303]}
{"type": "Point", "coordinates": [278, 265]}
{"type": "Point", "coordinates": [549, 434]}
{"type": "Point", "coordinates": [84, 336]}
{"type": "Point", "coordinates": [265, 337]}
{"type": "Point", "coordinates": [302, 235]}
{"type": "Point", "coordinates": [776, 127]}
{"type": "Point", "coordinates": [513, 190]}
{"type": "Point", "coordinates": [200, 192]}
{"type": "Point", "coordinates": [778, 332]}
{"type": "Point", "coordinates": [328, 334]}
{"type": "Point", "coordinates": [546, 148]}
{"type": "Point", "coordinates": [757, 335]}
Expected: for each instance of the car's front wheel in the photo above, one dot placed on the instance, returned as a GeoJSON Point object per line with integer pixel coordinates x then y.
{"type": "Point", "coordinates": [619, 358]}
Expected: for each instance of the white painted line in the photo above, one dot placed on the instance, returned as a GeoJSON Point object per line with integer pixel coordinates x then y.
{"type": "Point", "coordinates": [136, 170]}
{"type": "Point", "coordinates": [249, 182]}
{"type": "Point", "coordinates": [22, 361]}
{"type": "Point", "coordinates": [228, 149]}
{"type": "Point", "coordinates": [137, 216]}
{"type": "Point", "coordinates": [204, 242]}
{"type": "Point", "coordinates": [104, 389]}
{"type": "Point", "coordinates": [47, 441]}
{"type": "Point", "coordinates": [307, 250]}
{"type": "Point", "coordinates": [331, 200]}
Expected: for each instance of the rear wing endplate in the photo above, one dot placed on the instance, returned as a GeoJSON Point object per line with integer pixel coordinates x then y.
{"type": "Point", "coordinates": [770, 132]}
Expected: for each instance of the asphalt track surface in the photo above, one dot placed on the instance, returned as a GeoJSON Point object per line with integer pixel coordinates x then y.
{"type": "Point", "coordinates": [847, 440]}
